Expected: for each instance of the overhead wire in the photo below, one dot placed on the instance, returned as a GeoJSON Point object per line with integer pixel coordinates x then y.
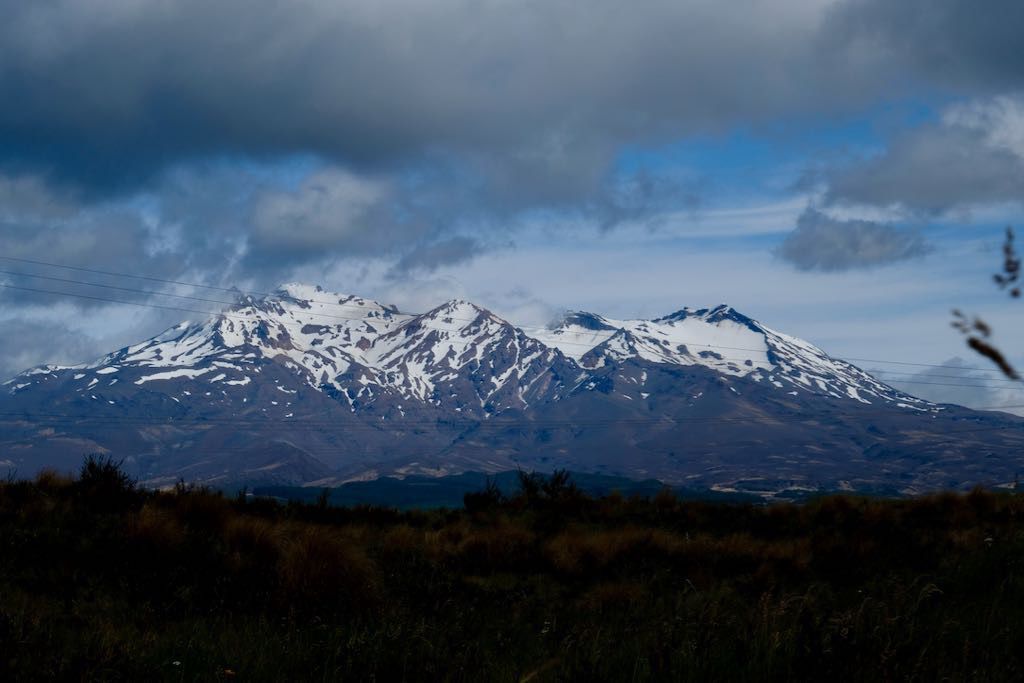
{"type": "Point", "coordinates": [148, 278]}
{"type": "Point", "coordinates": [929, 376]}
{"type": "Point", "coordinates": [453, 342]}
{"type": "Point", "coordinates": [285, 295]}
{"type": "Point", "coordinates": [332, 426]}
{"type": "Point", "coordinates": [412, 424]}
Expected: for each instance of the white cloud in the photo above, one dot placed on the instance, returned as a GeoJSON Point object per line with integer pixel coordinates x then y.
{"type": "Point", "coordinates": [332, 209]}
{"type": "Point", "coordinates": [999, 120]}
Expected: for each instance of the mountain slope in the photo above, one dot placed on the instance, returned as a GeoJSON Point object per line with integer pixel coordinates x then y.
{"type": "Point", "coordinates": [312, 387]}
{"type": "Point", "coordinates": [724, 340]}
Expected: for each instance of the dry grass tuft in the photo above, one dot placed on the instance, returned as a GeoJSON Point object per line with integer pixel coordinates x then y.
{"type": "Point", "coordinates": [320, 570]}
{"type": "Point", "coordinates": [155, 527]}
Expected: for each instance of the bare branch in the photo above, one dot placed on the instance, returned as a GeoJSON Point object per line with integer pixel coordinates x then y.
{"type": "Point", "coordinates": [993, 354]}
{"type": "Point", "coordinates": [1010, 276]}
{"type": "Point", "coordinates": [977, 330]}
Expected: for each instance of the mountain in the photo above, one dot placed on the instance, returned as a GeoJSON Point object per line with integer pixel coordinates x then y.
{"type": "Point", "coordinates": [308, 387]}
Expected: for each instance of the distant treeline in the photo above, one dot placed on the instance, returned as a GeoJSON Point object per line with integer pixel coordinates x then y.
{"type": "Point", "coordinates": [102, 580]}
{"type": "Point", "coordinates": [422, 492]}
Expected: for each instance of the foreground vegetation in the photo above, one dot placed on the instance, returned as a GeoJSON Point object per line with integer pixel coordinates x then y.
{"type": "Point", "coordinates": [100, 580]}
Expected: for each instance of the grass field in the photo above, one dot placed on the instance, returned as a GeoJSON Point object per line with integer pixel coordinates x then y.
{"type": "Point", "coordinates": [101, 580]}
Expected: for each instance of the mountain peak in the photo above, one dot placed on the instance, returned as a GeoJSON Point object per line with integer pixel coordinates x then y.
{"type": "Point", "coordinates": [303, 292]}
{"type": "Point", "coordinates": [583, 320]}
{"type": "Point", "coordinates": [459, 310]}
{"type": "Point", "coordinates": [687, 312]}
{"type": "Point", "coordinates": [316, 303]}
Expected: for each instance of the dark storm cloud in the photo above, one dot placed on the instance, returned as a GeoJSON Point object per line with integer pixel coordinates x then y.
{"type": "Point", "coordinates": [824, 243]}
{"type": "Point", "coordinates": [530, 102]}
{"type": "Point", "coordinates": [538, 96]}
{"type": "Point", "coordinates": [40, 224]}
{"type": "Point", "coordinates": [960, 45]}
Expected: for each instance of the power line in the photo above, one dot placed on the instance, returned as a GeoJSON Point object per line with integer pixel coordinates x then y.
{"type": "Point", "coordinates": [232, 290]}
{"type": "Point", "coordinates": [168, 294]}
{"type": "Point", "coordinates": [264, 419]}
{"type": "Point", "coordinates": [332, 426]}
{"type": "Point", "coordinates": [746, 442]}
{"type": "Point", "coordinates": [693, 449]}
{"type": "Point", "coordinates": [930, 376]}
{"type": "Point", "coordinates": [965, 386]}
{"type": "Point", "coordinates": [388, 425]}
{"type": "Point", "coordinates": [361, 318]}
{"type": "Point", "coordinates": [449, 342]}
{"type": "Point", "coordinates": [228, 315]}
{"type": "Point", "coordinates": [149, 292]}
{"type": "Point", "coordinates": [233, 303]}
{"type": "Point", "coordinates": [137, 277]}
{"type": "Point", "coordinates": [234, 316]}
{"type": "Point", "coordinates": [118, 301]}
{"type": "Point", "coordinates": [860, 412]}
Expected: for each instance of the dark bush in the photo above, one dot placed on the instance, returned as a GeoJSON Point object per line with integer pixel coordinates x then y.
{"type": "Point", "coordinates": [489, 498]}
{"type": "Point", "coordinates": [103, 482]}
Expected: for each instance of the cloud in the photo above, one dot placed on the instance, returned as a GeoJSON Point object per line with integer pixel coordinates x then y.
{"type": "Point", "coordinates": [999, 120]}
{"type": "Point", "coordinates": [418, 120]}
{"type": "Point", "coordinates": [435, 255]}
{"type": "Point", "coordinates": [821, 242]}
{"type": "Point", "coordinates": [960, 383]}
{"type": "Point", "coordinates": [535, 101]}
{"type": "Point", "coordinates": [236, 142]}
{"type": "Point", "coordinates": [40, 223]}
{"type": "Point", "coordinates": [973, 156]}
{"type": "Point", "coordinates": [537, 98]}
{"type": "Point", "coordinates": [333, 212]}
{"type": "Point", "coordinates": [949, 42]}
{"type": "Point", "coordinates": [218, 225]}
{"type": "Point", "coordinates": [27, 343]}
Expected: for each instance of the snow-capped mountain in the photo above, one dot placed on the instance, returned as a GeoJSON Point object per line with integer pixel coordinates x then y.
{"type": "Point", "coordinates": [367, 355]}
{"type": "Point", "coordinates": [313, 387]}
{"type": "Point", "coordinates": [723, 340]}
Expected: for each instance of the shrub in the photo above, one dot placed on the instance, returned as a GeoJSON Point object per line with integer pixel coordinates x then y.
{"type": "Point", "coordinates": [489, 498]}
{"type": "Point", "coordinates": [202, 511]}
{"type": "Point", "coordinates": [51, 480]}
{"type": "Point", "coordinates": [106, 486]}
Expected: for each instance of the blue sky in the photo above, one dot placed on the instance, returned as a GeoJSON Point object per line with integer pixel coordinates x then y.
{"type": "Point", "coordinates": [842, 170]}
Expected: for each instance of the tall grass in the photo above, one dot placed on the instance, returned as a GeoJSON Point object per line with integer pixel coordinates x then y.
{"type": "Point", "coordinates": [101, 580]}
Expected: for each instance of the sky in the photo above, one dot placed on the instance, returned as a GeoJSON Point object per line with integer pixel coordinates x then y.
{"type": "Point", "coordinates": [841, 170]}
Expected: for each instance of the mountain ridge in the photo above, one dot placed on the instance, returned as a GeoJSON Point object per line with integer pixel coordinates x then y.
{"type": "Point", "coordinates": [283, 389]}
